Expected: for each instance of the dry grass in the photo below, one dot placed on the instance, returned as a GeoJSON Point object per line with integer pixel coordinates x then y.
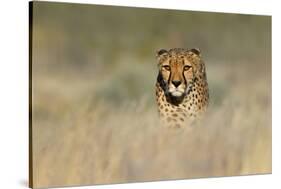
{"type": "Point", "coordinates": [81, 140]}
{"type": "Point", "coordinates": [94, 115]}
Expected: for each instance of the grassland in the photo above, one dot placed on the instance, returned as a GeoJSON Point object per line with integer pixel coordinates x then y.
{"type": "Point", "coordinates": [94, 115]}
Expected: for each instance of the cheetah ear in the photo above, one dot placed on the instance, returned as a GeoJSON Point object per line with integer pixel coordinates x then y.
{"type": "Point", "coordinates": [196, 51]}
{"type": "Point", "coordinates": [161, 52]}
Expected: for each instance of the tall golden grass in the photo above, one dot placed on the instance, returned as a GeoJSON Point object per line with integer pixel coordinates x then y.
{"type": "Point", "coordinates": [94, 116]}
{"type": "Point", "coordinates": [81, 140]}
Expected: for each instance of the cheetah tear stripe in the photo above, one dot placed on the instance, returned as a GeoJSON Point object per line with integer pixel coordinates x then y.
{"type": "Point", "coordinates": [182, 93]}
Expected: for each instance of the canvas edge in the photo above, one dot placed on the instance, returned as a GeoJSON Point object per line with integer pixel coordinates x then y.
{"type": "Point", "coordinates": [30, 149]}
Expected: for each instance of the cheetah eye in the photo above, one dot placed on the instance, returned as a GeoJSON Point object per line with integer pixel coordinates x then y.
{"type": "Point", "coordinates": [186, 67]}
{"type": "Point", "coordinates": [166, 67]}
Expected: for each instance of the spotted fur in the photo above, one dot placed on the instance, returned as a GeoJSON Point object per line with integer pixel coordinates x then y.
{"type": "Point", "coordinates": [181, 89]}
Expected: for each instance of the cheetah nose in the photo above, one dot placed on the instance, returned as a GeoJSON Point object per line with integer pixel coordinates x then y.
{"type": "Point", "coordinates": [176, 83]}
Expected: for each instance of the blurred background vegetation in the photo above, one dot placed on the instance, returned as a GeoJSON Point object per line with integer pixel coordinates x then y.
{"type": "Point", "coordinates": [93, 76]}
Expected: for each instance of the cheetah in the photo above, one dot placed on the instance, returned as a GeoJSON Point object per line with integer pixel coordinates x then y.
{"type": "Point", "coordinates": [182, 92]}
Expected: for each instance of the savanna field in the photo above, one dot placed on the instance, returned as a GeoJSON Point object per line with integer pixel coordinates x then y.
{"type": "Point", "coordinates": [95, 119]}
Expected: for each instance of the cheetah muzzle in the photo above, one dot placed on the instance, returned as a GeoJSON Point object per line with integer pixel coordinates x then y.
{"type": "Point", "coordinates": [181, 88]}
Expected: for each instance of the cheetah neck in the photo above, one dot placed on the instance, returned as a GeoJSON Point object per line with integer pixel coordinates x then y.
{"type": "Point", "coordinates": [190, 106]}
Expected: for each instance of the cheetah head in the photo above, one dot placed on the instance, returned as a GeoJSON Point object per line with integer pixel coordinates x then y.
{"type": "Point", "coordinates": [177, 70]}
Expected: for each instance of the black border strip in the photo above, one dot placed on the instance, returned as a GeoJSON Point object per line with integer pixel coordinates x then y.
{"type": "Point", "coordinates": [30, 175]}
